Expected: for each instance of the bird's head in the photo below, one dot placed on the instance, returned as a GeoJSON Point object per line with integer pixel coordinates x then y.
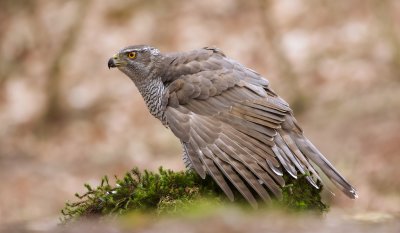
{"type": "Point", "coordinates": [137, 62]}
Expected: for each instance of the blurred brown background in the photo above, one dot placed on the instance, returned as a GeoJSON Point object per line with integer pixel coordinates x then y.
{"type": "Point", "coordinates": [65, 119]}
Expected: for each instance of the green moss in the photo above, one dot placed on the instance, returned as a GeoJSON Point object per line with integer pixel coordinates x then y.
{"type": "Point", "coordinates": [299, 195]}
{"type": "Point", "coordinates": [169, 192]}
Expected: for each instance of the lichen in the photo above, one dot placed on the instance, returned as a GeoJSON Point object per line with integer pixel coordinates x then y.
{"type": "Point", "coordinates": [169, 192]}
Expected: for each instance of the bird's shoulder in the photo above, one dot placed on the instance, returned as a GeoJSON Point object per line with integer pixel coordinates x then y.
{"type": "Point", "coordinates": [179, 64]}
{"type": "Point", "coordinates": [207, 60]}
{"type": "Point", "coordinates": [208, 72]}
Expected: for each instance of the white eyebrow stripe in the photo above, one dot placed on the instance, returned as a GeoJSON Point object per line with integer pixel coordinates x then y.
{"type": "Point", "coordinates": [155, 51]}
{"type": "Point", "coordinates": [130, 50]}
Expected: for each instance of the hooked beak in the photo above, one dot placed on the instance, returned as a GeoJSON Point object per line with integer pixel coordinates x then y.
{"type": "Point", "coordinates": [112, 63]}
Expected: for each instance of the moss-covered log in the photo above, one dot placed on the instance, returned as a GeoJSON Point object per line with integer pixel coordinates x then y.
{"type": "Point", "coordinates": [169, 192]}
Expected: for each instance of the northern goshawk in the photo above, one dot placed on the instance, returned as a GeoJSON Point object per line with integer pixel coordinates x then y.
{"type": "Point", "coordinates": [231, 124]}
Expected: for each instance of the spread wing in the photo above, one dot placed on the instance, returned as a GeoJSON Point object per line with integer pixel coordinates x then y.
{"type": "Point", "coordinates": [236, 129]}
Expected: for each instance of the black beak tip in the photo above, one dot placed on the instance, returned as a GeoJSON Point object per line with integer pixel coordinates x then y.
{"type": "Point", "coordinates": [111, 63]}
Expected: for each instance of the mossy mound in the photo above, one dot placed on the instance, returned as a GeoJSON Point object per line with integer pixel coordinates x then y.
{"type": "Point", "coordinates": [170, 192]}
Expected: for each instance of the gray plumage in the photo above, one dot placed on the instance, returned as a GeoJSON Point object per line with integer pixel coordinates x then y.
{"type": "Point", "coordinates": [232, 126]}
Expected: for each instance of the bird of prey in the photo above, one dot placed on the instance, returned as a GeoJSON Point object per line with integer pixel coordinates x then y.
{"type": "Point", "coordinates": [231, 124]}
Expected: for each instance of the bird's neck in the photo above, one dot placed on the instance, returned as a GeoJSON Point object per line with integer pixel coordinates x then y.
{"type": "Point", "coordinates": [153, 91]}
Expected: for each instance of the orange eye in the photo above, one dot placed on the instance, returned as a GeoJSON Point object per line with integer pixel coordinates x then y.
{"type": "Point", "coordinates": [132, 55]}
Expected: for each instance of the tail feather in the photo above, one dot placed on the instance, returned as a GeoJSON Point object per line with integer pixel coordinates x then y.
{"type": "Point", "coordinates": [311, 152]}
